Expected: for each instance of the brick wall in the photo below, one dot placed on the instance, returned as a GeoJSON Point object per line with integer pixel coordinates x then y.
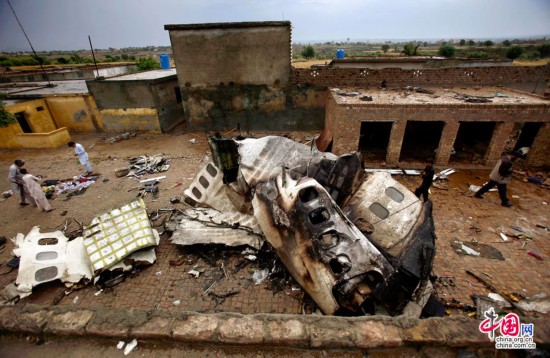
{"type": "Point", "coordinates": [344, 121]}
{"type": "Point", "coordinates": [476, 76]}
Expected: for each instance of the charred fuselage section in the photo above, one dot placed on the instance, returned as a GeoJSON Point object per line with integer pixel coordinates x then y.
{"type": "Point", "coordinates": [357, 243]}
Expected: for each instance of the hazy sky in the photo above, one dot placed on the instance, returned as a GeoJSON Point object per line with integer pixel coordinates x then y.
{"type": "Point", "coordinates": [66, 24]}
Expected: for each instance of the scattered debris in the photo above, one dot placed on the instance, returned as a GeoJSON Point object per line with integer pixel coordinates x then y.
{"type": "Point", "coordinates": [130, 347]}
{"type": "Point", "coordinates": [504, 237]}
{"type": "Point", "coordinates": [476, 249]}
{"type": "Point", "coordinates": [473, 99]}
{"type": "Point", "coordinates": [539, 302]}
{"type": "Point", "coordinates": [47, 257]}
{"type": "Point", "coordinates": [193, 141]}
{"type": "Point", "coordinates": [116, 234]}
{"type": "Point", "coordinates": [120, 345]}
{"type": "Point", "coordinates": [176, 302]}
{"type": "Point", "coordinates": [144, 164]}
{"type": "Point", "coordinates": [194, 273]}
{"type": "Point", "coordinates": [442, 175]}
{"type": "Point", "coordinates": [366, 98]}
{"type": "Point", "coordinates": [259, 276]}
{"type": "Point", "coordinates": [537, 256]}
{"type": "Point", "coordinates": [510, 298]}
{"type": "Point", "coordinates": [7, 194]}
{"type": "Point", "coordinates": [121, 137]}
{"type": "Point", "coordinates": [121, 172]}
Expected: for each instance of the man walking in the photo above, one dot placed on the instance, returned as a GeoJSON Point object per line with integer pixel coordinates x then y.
{"type": "Point", "coordinates": [82, 156]}
{"type": "Point", "coordinates": [427, 179]}
{"type": "Point", "coordinates": [500, 176]}
{"type": "Point", "coordinates": [16, 179]}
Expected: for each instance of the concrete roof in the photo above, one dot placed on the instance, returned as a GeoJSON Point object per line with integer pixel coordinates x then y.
{"type": "Point", "coordinates": [440, 95]}
{"type": "Point", "coordinates": [225, 25]}
{"type": "Point", "coordinates": [148, 75]}
{"type": "Point", "coordinates": [40, 89]}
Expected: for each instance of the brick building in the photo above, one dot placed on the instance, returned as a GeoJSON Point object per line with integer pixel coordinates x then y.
{"type": "Point", "coordinates": [240, 74]}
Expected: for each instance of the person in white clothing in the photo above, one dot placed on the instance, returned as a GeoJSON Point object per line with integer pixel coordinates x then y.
{"type": "Point", "coordinates": [33, 191]}
{"type": "Point", "coordinates": [82, 156]}
{"type": "Point", "coordinates": [16, 179]}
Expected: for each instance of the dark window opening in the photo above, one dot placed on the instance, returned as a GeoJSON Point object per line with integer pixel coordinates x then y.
{"type": "Point", "coordinates": [197, 193]}
{"type": "Point", "coordinates": [329, 240]}
{"type": "Point", "coordinates": [178, 94]}
{"type": "Point", "coordinates": [22, 119]}
{"type": "Point", "coordinates": [421, 140]}
{"type": "Point", "coordinates": [374, 140]}
{"type": "Point", "coordinates": [211, 170]}
{"type": "Point", "coordinates": [319, 216]}
{"type": "Point", "coordinates": [472, 142]}
{"type": "Point", "coordinates": [39, 108]}
{"type": "Point", "coordinates": [527, 135]}
{"type": "Point", "coordinates": [340, 265]}
{"type": "Point", "coordinates": [205, 184]}
{"type": "Point", "coordinates": [308, 194]}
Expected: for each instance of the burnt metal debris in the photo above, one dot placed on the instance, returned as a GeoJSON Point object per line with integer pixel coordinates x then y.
{"type": "Point", "coordinates": [357, 242]}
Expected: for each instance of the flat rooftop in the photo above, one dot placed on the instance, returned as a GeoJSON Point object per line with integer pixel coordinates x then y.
{"type": "Point", "coordinates": [434, 95]}
{"type": "Point", "coordinates": [40, 89]}
{"type": "Point", "coordinates": [148, 75]}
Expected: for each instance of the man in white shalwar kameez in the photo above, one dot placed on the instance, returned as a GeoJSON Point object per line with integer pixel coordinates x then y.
{"type": "Point", "coordinates": [82, 156]}
{"type": "Point", "coordinates": [34, 192]}
{"type": "Point", "coordinates": [16, 179]}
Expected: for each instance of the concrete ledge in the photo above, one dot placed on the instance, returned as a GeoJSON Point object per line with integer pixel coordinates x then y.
{"type": "Point", "coordinates": [275, 330]}
{"type": "Point", "coordinates": [51, 139]}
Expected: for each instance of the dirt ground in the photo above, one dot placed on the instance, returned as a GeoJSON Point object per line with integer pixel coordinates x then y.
{"type": "Point", "coordinates": [457, 215]}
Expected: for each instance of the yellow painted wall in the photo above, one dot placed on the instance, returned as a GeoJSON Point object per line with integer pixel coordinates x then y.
{"type": "Point", "coordinates": [7, 136]}
{"type": "Point", "coordinates": [39, 121]}
{"type": "Point", "coordinates": [78, 113]}
{"type": "Point", "coordinates": [131, 119]}
{"type": "Point", "coordinates": [52, 139]}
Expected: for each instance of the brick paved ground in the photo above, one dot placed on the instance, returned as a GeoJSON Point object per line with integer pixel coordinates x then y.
{"type": "Point", "coordinates": [160, 286]}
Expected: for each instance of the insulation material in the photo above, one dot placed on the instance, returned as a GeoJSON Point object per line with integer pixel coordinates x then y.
{"type": "Point", "coordinates": [143, 257]}
{"type": "Point", "coordinates": [114, 235]}
{"type": "Point", "coordinates": [47, 257]}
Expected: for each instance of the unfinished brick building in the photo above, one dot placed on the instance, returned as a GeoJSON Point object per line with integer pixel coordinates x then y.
{"type": "Point", "coordinates": [240, 74]}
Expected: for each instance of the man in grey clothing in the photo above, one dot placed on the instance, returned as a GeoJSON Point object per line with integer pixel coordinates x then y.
{"type": "Point", "coordinates": [500, 176]}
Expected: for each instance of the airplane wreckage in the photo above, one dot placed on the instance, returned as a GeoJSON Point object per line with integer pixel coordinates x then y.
{"type": "Point", "coordinates": [357, 242]}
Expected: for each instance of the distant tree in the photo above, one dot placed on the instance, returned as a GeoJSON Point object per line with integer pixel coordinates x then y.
{"type": "Point", "coordinates": [478, 54]}
{"type": "Point", "coordinates": [507, 43]}
{"type": "Point", "coordinates": [62, 60]}
{"type": "Point", "coordinates": [147, 63]}
{"type": "Point", "coordinates": [132, 57]}
{"type": "Point", "coordinates": [544, 49]}
{"type": "Point", "coordinates": [425, 44]}
{"type": "Point", "coordinates": [410, 49]}
{"type": "Point", "coordinates": [124, 56]}
{"type": "Point", "coordinates": [531, 55]}
{"type": "Point", "coordinates": [462, 42]}
{"type": "Point", "coordinates": [308, 52]}
{"type": "Point", "coordinates": [446, 50]}
{"type": "Point", "coordinates": [385, 47]}
{"type": "Point", "coordinates": [488, 43]}
{"type": "Point", "coordinates": [471, 43]}
{"type": "Point", "coordinates": [514, 52]}
{"type": "Point", "coordinates": [76, 58]}
{"type": "Point", "coordinates": [6, 118]}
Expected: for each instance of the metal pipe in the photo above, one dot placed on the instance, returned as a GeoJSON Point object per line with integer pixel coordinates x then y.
{"type": "Point", "coordinates": [93, 55]}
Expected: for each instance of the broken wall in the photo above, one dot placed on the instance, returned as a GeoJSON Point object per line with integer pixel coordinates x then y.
{"type": "Point", "coordinates": [169, 109]}
{"type": "Point", "coordinates": [344, 122]}
{"type": "Point", "coordinates": [475, 76]}
{"type": "Point", "coordinates": [78, 113]}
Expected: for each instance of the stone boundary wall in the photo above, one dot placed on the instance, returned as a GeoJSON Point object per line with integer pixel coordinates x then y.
{"type": "Point", "coordinates": [452, 77]}
{"type": "Point", "coordinates": [275, 330]}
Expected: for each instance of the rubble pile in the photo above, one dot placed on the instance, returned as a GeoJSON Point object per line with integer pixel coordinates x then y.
{"type": "Point", "coordinates": [356, 242]}
{"type": "Point", "coordinates": [114, 241]}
